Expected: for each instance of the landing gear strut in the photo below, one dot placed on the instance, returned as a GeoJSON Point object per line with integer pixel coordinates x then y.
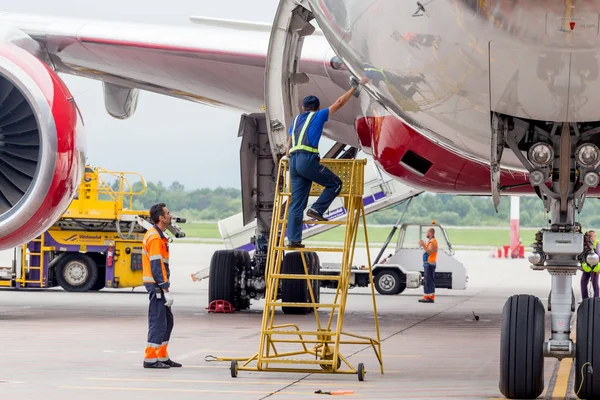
{"type": "Point", "coordinates": [563, 163]}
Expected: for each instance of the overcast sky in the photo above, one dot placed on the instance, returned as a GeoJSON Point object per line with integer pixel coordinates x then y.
{"type": "Point", "coordinates": [131, 145]}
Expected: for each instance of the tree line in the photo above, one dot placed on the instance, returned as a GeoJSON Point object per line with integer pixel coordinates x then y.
{"type": "Point", "coordinates": [215, 204]}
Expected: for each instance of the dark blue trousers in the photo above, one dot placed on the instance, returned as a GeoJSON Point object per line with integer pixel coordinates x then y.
{"type": "Point", "coordinates": [160, 317]}
{"type": "Point", "coordinates": [585, 279]}
{"type": "Point", "coordinates": [429, 278]}
{"type": "Point", "coordinates": [304, 170]}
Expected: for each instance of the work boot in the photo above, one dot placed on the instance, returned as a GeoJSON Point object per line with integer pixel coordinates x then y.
{"type": "Point", "coordinates": [298, 245]}
{"type": "Point", "coordinates": [156, 365]}
{"type": "Point", "coordinates": [172, 363]}
{"type": "Point", "coordinates": [314, 214]}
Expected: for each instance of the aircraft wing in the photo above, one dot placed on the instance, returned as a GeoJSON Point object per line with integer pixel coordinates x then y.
{"type": "Point", "coordinates": [206, 62]}
{"type": "Point", "coordinates": [212, 61]}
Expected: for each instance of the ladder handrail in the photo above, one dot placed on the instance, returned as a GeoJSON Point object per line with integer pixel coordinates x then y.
{"type": "Point", "coordinates": [329, 332]}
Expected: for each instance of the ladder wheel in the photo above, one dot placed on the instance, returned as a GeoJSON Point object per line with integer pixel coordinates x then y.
{"type": "Point", "coordinates": [361, 372]}
{"type": "Point", "coordinates": [328, 367]}
{"type": "Point", "coordinates": [234, 368]}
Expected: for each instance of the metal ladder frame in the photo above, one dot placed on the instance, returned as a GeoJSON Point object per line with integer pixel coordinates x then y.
{"type": "Point", "coordinates": [328, 339]}
{"type": "Point", "coordinates": [24, 280]}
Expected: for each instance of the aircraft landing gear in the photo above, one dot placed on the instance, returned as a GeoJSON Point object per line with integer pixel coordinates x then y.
{"type": "Point", "coordinates": [560, 249]}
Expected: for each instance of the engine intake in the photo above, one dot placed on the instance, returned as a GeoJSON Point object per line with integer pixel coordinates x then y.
{"type": "Point", "coordinates": [41, 152]}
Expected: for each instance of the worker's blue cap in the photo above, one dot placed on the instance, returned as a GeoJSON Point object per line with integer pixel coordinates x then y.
{"type": "Point", "coordinates": [311, 103]}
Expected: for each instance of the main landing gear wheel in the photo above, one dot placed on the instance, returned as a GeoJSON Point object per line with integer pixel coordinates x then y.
{"type": "Point", "coordinates": [224, 271]}
{"type": "Point", "coordinates": [521, 348]}
{"type": "Point", "coordinates": [296, 290]}
{"type": "Point", "coordinates": [221, 280]}
{"type": "Point", "coordinates": [587, 349]}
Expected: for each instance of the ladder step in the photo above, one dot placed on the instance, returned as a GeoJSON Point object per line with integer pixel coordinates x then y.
{"type": "Point", "coordinates": [288, 194]}
{"type": "Point", "coordinates": [316, 222]}
{"type": "Point", "coordinates": [275, 360]}
{"type": "Point", "coordinates": [320, 305]}
{"type": "Point", "coordinates": [306, 333]}
{"type": "Point", "coordinates": [304, 276]}
{"type": "Point", "coordinates": [315, 249]}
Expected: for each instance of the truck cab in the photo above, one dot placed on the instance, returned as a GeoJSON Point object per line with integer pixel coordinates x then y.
{"type": "Point", "coordinates": [404, 267]}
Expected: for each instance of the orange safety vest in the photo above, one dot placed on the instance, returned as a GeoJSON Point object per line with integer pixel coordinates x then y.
{"type": "Point", "coordinates": [155, 258]}
{"type": "Point", "coordinates": [432, 258]}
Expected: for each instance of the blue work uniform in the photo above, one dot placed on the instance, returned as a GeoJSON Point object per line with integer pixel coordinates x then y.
{"type": "Point", "coordinates": [429, 264]}
{"type": "Point", "coordinates": [305, 168]}
{"type": "Point", "coordinates": [156, 273]}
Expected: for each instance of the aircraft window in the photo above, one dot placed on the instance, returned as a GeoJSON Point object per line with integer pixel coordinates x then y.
{"type": "Point", "coordinates": [337, 64]}
{"type": "Point", "coordinates": [411, 238]}
{"type": "Point", "coordinates": [439, 235]}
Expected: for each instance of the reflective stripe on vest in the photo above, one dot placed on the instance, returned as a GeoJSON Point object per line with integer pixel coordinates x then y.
{"type": "Point", "coordinates": [301, 144]}
{"type": "Point", "coordinates": [379, 71]}
{"type": "Point", "coordinates": [586, 268]}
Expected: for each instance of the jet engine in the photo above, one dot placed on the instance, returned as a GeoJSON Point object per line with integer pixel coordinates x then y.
{"type": "Point", "coordinates": [41, 146]}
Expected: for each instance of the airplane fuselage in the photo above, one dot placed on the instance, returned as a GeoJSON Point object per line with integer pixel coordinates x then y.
{"type": "Point", "coordinates": [443, 66]}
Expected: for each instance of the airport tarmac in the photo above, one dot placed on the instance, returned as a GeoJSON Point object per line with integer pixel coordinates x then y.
{"type": "Point", "coordinates": [59, 345]}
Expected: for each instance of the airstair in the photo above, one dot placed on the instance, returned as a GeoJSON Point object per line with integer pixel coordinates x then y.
{"type": "Point", "coordinates": [379, 191]}
{"type": "Point", "coordinates": [317, 348]}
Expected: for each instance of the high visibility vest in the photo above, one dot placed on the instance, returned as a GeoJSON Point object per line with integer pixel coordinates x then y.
{"type": "Point", "coordinates": [371, 73]}
{"type": "Point", "coordinates": [301, 142]}
{"type": "Point", "coordinates": [430, 258]}
{"type": "Point", "coordinates": [585, 265]}
{"type": "Point", "coordinates": [155, 258]}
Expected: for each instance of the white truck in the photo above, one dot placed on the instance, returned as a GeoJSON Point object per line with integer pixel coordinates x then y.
{"type": "Point", "coordinates": [404, 268]}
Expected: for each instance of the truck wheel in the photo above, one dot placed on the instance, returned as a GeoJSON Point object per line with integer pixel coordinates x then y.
{"type": "Point", "coordinates": [221, 281]}
{"type": "Point", "coordinates": [388, 282]}
{"type": "Point", "coordinates": [295, 290]}
{"type": "Point", "coordinates": [76, 273]}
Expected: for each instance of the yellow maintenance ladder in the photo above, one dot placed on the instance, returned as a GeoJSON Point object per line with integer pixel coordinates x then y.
{"type": "Point", "coordinates": [286, 344]}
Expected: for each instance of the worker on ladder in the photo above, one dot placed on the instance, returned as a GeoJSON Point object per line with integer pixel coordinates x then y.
{"type": "Point", "coordinates": [155, 268]}
{"type": "Point", "coordinates": [303, 152]}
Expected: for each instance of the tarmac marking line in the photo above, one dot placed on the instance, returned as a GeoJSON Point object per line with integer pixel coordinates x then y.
{"type": "Point", "coordinates": [228, 381]}
{"type": "Point", "coordinates": [153, 389]}
{"type": "Point", "coordinates": [562, 379]}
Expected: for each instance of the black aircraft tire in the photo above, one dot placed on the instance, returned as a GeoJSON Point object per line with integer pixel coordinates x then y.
{"type": "Point", "coordinates": [521, 348]}
{"type": "Point", "coordinates": [296, 290]}
{"type": "Point", "coordinates": [587, 349]}
{"type": "Point", "coordinates": [221, 281]}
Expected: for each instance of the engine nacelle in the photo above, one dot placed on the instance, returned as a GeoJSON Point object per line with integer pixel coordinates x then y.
{"type": "Point", "coordinates": [41, 146]}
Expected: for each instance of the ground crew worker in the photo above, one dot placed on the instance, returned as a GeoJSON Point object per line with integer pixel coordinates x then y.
{"type": "Point", "coordinates": [156, 273]}
{"type": "Point", "coordinates": [303, 152]}
{"type": "Point", "coordinates": [590, 272]}
{"type": "Point", "coordinates": [429, 263]}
